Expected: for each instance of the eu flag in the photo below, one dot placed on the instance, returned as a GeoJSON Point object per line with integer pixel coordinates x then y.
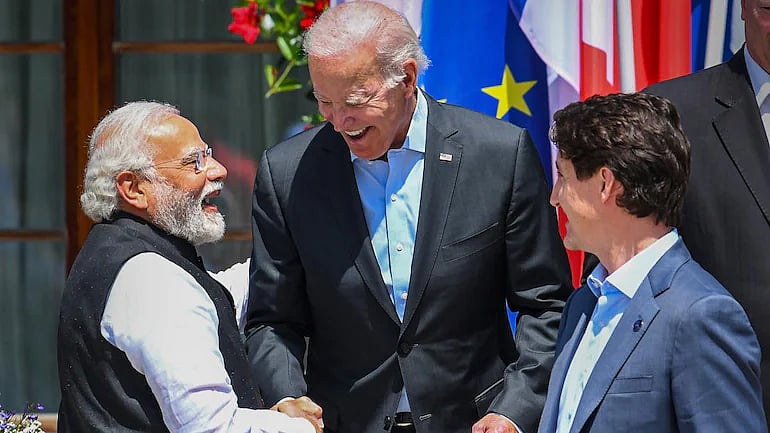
{"type": "Point", "coordinates": [482, 60]}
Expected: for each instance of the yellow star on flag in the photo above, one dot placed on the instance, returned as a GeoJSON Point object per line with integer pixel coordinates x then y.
{"type": "Point", "coordinates": [510, 94]}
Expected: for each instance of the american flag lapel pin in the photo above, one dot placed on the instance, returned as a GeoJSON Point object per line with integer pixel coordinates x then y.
{"type": "Point", "coordinates": [445, 157]}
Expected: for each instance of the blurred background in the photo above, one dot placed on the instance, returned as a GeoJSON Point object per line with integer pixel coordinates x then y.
{"type": "Point", "coordinates": [65, 63]}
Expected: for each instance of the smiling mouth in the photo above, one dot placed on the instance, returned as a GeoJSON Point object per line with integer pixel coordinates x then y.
{"type": "Point", "coordinates": [206, 203]}
{"type": "Point", "coordinates": [356, 133]}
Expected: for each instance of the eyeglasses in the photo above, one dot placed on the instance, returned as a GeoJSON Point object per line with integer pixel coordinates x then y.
{"type": "Point", "coordinates": [199, 158]}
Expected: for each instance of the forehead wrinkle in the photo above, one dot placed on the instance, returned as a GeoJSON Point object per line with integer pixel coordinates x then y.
{"type": "Point", "coordinates": [357, 95]}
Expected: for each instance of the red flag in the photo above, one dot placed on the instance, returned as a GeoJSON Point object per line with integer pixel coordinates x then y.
{"type": "Point", "coordinates": [657, 36]}
{"type": "Point", "coordinates": [661, 34]}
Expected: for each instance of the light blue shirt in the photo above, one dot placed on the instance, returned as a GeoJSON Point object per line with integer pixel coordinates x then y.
{"type": "Point", "coordinates": [613, 292]}
{"type": "Point", "coordinates": [390, 196]}
{"type": "Point", "coordinates": [760, 83]}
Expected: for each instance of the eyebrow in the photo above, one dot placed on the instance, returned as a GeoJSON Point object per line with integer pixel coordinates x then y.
{"type": "Point", "coordinates": [192, 151]}
{"type": "Point", "coordinates": [189, 157]}
{"type": "Point", "coordinates": [358, 97]}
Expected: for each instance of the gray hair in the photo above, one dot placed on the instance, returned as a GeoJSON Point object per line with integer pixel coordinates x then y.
{"type": "Point", "coordinates": [341, 29]}
{"type": "Point", "coordinates": [119, 143]}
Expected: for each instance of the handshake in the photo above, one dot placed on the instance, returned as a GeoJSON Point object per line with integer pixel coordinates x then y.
{"type": "Point", "coordinates": [302, 407]}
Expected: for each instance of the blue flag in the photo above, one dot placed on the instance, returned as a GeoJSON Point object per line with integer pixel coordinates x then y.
{"type": "Point", "coordinates": [482, 60]}
{"type": "Point", "coordinates": [717, 31]}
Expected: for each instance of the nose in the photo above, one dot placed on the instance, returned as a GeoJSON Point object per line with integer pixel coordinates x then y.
{"type": "Point", "coordinates": [215, 170]}
{"type": "Point", "coordinates": [336, 114]}
{"type": "Point", "coordinates": [554, 198]}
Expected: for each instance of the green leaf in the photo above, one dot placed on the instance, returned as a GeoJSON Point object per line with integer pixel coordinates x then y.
{"type": "Point", "coordinates": [279, 23]}
{"type": "Point", "coordinates": [271, 72]}
{"type": "Point", "coordinates": [285, 48]}
{"type": "Point", "coordinates": [289, 84]}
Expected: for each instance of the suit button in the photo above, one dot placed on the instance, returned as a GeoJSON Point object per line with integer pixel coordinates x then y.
{"type": "Point", "coordinates": [388, 423]}
{"type": "Point", "coordinates": [404, 348]}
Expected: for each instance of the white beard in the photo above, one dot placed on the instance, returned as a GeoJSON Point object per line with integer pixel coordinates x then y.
{"type": "Point", "coordinates": [181, 213]}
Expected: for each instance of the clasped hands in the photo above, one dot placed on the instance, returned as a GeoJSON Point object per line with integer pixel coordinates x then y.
{"type": "Point", "coordinates": [302, 407]}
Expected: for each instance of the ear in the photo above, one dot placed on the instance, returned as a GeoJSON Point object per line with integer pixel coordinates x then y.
{"type": "Point", "coordinates": [410, 80]}
{"type": "Point", "coordinates": [132, 190]}
{"type": "Point", "coordinates": [611, 186]}
{"type": "Point", "coordinates": [743, 10]}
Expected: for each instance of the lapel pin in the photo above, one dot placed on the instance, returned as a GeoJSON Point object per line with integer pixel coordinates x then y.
{"type": "Point", "coordinates": [638, 325]}
{"type": "Point", "coordinates": [445, 157]}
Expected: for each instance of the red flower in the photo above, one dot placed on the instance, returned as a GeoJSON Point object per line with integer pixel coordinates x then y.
{"type": "Point", "coordinates": [312, 12]}
{"type": "Point", "coordinates": [246, 22]}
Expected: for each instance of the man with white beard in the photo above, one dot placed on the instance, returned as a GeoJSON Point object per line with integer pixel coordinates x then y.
{"type": "Point", "coordinates": [148, 339]}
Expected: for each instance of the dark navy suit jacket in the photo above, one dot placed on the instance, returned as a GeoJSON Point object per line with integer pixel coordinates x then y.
{"type": "Point", "coordinates": [726, 215]}
{"type": "Point", "coordinates": [486, 235]}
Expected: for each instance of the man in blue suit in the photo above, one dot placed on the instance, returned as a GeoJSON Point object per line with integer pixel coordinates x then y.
{"type": "Point", "coordinates": [652, 342]}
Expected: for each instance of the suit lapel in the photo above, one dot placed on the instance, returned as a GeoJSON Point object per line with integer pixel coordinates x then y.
{"type": "Point", "coordinates": [583, 305]}
{"type": "Point", "coordinates": [740, 128]}
{"type": "Point", "coordinates": [640, 311]}
{"type": "Point", "coordinates": [438, 183]}
{"type": "Point", "coordinates": [342, 193]}
{"type": "Point", "coordinates": [622, 342]}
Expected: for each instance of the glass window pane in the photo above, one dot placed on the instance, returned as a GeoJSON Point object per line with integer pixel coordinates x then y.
{"type": "Point", "coordinates": [31, 21]}
{"type": "Point", "coordinates": [31, 283]}
{"type": "Point", "coordinates": [223, 94]}
{"type": "Point", "coordinates": [31, 141]}
{"type": "Point", "coordinates": [174, 20]}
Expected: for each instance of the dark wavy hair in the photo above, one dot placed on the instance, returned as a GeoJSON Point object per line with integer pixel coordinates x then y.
{"type": "Point", "coordinates": [637, 136]}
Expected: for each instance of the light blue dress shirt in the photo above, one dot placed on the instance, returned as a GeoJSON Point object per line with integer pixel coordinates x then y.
{"type": "Point", "coordinates": [613, 292]}
{"type": "Point", "coordinates": [760, 82]}
{"type": "Point", "coordinates": [390, 196]}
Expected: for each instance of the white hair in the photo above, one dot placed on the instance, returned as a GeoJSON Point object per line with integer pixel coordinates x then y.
{"type": "Point", "coordinates": [119, 143]}
{"type": "Point", "coordinates": [342, 29]}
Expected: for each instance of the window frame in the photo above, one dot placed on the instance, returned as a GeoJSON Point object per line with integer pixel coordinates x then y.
{"type": "Point", "coordinates": [89, 51]}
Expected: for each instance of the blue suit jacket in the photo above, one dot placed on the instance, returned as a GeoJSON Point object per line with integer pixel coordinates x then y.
{"type": "Point", "coordinates": [683, 358]}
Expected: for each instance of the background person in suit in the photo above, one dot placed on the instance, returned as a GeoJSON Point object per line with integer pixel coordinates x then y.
{"type": "Point", "coordinates": [652, 342]}
{"type": "Point", "coordinates": [392, 236]}
{"type": "Point", "coordinates": [726, 216]}
{"type": "Point", "coordinates": [148, 339]}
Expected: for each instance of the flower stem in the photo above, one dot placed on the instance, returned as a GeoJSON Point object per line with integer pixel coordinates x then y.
{"type": "Point", "coordinates": [275, 88]}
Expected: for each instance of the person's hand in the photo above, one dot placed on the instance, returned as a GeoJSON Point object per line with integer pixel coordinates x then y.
{"type": "Point", "coordinates": [494, 423]}
{"type": "Point", "coordinates": [302, 407]}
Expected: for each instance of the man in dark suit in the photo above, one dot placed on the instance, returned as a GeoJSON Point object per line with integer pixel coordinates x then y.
{"type": "Point", "coordinates": [651, 342]}
{"type": "Point", "coordinates": [726, 215]}
{"type": "Point", "coordinates": [392, 237]}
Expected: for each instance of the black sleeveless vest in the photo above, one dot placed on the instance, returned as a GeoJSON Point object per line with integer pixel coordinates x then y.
{"type": "Point", "coordinates": [100, 390]}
